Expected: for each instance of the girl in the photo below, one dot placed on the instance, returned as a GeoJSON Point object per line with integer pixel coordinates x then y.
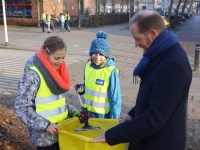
{"type": "Point", "coordinates": [101, 88]}
{"type": "Point", "coordinates": [40, 102]}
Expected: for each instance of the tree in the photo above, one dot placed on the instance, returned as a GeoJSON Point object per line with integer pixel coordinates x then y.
{"type": "Point", "coordinates": [190, 7]}
{"type": "Point", "coordinates": [177, 8]}
{"type": "Point", "coordinates": [122, 4]}
{"type": "Point", "coordinates": [184, 4]}
{"type": "Point", "coordinates": [97, 6]}
{"type": "Point", "coordinates": [104, 2]}
{"type": "Point", "coordinates": [113, 5]}
{"type": "Point", "coordinates": [127, 4]}
{"type": "Point", "coordinates": [170, 9]}
{"type": "Point", "coordinates": [38, 10]}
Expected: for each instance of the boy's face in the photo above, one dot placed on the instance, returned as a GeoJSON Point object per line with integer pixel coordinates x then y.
{"type": "Point", "coordinates": [98, 59]}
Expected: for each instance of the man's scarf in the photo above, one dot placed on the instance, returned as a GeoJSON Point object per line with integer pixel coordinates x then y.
{"type": "Point", "coordinates": [161, 43]}
{"type": "Point", "coordinates": [57, 83]}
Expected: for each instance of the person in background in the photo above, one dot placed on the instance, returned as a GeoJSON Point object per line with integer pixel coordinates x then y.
{"type": "Point", "coordinates": [49, 22]}
{"type": "Point", "coordinates": [41, 99]}
{"type": "Point", "coordinates": [67, 19]}
{"type": "Point", "coordinates": [101, 86]}
{"type": "Point", "coordinates": [43, 21]}
{"type": "Point", "coordinates": [158, 119]}
{"type": "Point", "coordinates": [51, 25]}
{"type": "Point", "coordinates": [62, 23]}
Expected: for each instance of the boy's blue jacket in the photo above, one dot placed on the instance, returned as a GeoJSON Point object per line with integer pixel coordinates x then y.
{"type": "Point", "coordinates": [114, 93]}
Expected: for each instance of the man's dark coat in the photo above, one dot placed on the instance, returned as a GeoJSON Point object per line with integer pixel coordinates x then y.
{"type": "Point", "coordinates": [161, 107]}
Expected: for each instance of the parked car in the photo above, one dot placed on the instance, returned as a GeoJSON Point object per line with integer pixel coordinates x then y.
{"type": "Point", "coordinates": [186, 15]}
{"type": "Point", "coordinates": [172, 16]}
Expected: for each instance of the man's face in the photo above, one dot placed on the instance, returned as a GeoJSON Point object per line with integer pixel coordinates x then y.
{"type": "Point", "coordinates": [142, 40]}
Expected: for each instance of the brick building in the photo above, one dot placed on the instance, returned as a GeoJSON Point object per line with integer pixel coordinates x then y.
{"type": "Point", "coordinates": [72, 6]}
{"type": "Point", "coordinates": [29, 8]}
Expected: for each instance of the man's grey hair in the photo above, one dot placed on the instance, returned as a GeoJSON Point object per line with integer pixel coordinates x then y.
{"type": "Point", "coordinates": [148, 20]}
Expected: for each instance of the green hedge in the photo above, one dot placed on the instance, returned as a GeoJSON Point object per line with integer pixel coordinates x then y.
{"type": "Point", "coordinates": [20, 21]}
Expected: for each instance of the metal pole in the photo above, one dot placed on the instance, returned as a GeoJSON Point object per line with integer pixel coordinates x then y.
{"type": "Point", "coordinates": [79, 14]}
{"type": "Point", "coordinates": [196, 59]}
{"type": "Point", "coordinates": [129, 9]}
{"type": "Point", "coordinates": [5, 23]}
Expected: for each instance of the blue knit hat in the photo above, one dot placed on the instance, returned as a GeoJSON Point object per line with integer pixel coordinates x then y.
{"type": "Point", "coordinates": [100, 44]}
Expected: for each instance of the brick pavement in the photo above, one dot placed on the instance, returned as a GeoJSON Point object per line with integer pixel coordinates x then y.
{"type": "Point", "coordinates": [23, 42]}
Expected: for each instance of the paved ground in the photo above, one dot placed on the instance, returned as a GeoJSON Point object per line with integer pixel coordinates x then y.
{"type": "Point", "coordinates": [23, 42]}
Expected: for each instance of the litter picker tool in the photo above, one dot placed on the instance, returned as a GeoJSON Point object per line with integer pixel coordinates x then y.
{"type": "Point", "coordinates": [85, 115]}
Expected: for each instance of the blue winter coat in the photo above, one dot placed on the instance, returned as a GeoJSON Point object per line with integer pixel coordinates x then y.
{"type": "Point", "coordinates": [159, 116]}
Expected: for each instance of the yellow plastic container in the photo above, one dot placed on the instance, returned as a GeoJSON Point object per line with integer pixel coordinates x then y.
{"type": "Point", "coordinates": [79, 140]}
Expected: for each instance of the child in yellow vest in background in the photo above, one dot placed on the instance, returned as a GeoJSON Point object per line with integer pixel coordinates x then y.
{"type": "Point", "coordinates": [101, 88]}
{"type": "Point", "coordinates": [41, 99]}
{"type": "Point", "coordinates": [67, 19]}
{"type": "Point", "coordinates": [43, 21]}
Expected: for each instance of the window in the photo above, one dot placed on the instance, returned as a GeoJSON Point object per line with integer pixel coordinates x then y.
{"type": "Point", "coordinates": [17, 8]}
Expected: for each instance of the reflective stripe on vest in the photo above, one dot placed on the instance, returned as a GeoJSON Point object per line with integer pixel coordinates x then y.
{"type": "Point", "coordinates": [52, 107]}
{"type": "Point", "coordinates": [96, 89]}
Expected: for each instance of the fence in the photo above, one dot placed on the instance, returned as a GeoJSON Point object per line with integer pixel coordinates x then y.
{"type": "Point", "coordinates": [86, 20]}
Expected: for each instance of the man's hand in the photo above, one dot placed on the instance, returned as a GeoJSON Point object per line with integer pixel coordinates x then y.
{"type": "Point", "coordinates": [124, 118]}
{"type": "Point", "coordinates": [53, 128]}
{"type": "Point", "coordinates": [101, 138]}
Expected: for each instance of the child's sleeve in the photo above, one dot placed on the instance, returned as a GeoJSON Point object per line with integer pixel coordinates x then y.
{"type": "Point", "coordinates": [114, 94]}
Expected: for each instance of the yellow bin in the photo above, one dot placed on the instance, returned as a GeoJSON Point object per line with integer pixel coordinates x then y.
{"type": "Point", "coordinates": [79, 140]}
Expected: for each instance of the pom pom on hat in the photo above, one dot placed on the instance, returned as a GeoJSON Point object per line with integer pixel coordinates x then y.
{"type": "Point", "coordinates": [100, 44]}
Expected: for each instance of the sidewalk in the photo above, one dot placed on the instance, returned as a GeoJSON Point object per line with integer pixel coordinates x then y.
{"type": "Point", "coordinates": [23, 42]}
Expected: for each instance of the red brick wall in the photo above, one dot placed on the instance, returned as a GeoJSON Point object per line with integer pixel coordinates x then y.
{"type": "Point", "coordinates": [34, 9]}
{"type": "Point", "coordinates": [53, 7]}
{"type": "Point", "coordinates": [49, 6]}
{"type": "Point", "coordinates": [91, 5]}
{"type": "Point", "coordinates": [72, 6]}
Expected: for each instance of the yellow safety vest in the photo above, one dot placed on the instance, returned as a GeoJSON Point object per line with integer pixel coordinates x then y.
{"type": "Point", "coordinates": [50, 106]}
{"type": "Point", "coordinates": [96, 89]}
{"type": "Point", "coordinates": [67, 17]}
{"type": "Point", "coordinates": [43, 18]}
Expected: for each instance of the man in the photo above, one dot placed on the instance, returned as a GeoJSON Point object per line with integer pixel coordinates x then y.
{"type": "Point", "coordinates": [158, 120]}
{"type": "Point", "coordinates": [43, 21]}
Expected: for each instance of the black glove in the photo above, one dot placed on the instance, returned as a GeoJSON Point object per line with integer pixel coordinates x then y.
{"type": "Point", "coordinates": [80, 88]}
